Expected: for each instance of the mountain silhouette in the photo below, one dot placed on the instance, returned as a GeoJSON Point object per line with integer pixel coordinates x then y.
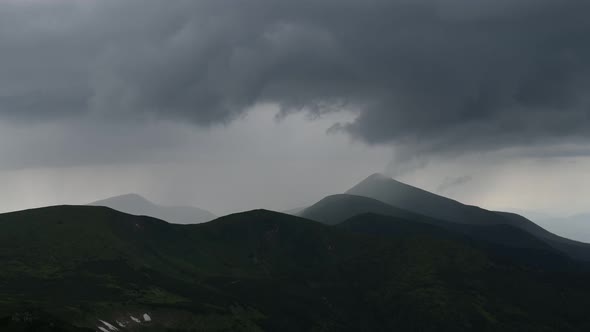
{"type": "Point", "coordinates": [573, 227]}
{"type": "Point", "coordinates": [138, 205]}
{"type": "Point", "coordinates": [401, 195]}
{"type": "Point", "coordinates": [375, 217]}
{"type": "Point", "coordinates": [386, 196]}
{"type": "Point", "coordinates": [335, 209]}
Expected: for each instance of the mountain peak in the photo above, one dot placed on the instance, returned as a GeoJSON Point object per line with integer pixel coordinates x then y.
{"type": "Point", "coordinates": [379, 181]}
{"type": "Point", "coordinates": [407, 197]}
{"type": "Point", "coordinates": [130, 197]}
{"type": "Point", "coordinates": [138, 205]}
{"type": "Point", "coordinates": [378, 176]}
{"type": "Point", "coordinates": [125, 201]}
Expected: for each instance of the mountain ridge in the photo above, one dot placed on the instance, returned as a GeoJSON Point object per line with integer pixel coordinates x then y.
{"type": "Point", "coordinates": [265, 271]}
{"type": "Point", "coordinates": [402, 195]}
{"type": "Point", "coordinates": [398, 195]}
{"type": "Point", "coordinates": [138, 205]}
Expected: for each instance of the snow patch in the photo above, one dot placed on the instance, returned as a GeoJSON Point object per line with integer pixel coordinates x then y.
{"type": "Point", "coordinates": [120, 324]}
{"type": "Point", "coordinates": [135, 319]}
{"type": "Point", "coordinates": [109, 326]}
{"type": "Point", "coordinates": [147, 318]}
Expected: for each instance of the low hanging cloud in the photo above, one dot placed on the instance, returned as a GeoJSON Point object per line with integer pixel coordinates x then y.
{"type": "Point", "coordinates": [430, 75]}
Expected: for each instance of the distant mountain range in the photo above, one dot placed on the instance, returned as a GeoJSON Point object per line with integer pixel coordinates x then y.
{"type": "Point", "coordinates": [138, 205]}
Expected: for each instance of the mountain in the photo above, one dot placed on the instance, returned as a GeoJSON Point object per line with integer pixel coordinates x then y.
{"type": "Point", "coordinates": [137, 205]}
{"type": "Point", "coordinates": [416, 200]}
{"type": "Point", "coordinates": [89, 264]}
{"type": "Point", "coordinates": [375, 217]}
{"type": "Point", "coordinates": [295, 211]}
{"type": "Point", "coordinates": [86, 267]}
{"type": "Point", "coordinates": [334, 209]}
{"type": "Point", "coordinates": [575, 249]}
{"type": "Point", "coordinates": [575, 227]}
{"type": "Point", "coordinates": [502, 240]}
{"type": "Point", "coordinates": [406, 197]}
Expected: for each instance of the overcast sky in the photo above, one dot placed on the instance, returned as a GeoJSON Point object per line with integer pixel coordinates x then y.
{"type": "Point", "coordinates": [231, 105]}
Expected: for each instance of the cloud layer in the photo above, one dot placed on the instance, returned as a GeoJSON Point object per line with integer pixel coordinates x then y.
{"type": "Point", "coordinates": [430, 75]}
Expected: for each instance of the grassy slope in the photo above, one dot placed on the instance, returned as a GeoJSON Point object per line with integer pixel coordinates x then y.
{"type": "Point", "coordinates": [269, 271]}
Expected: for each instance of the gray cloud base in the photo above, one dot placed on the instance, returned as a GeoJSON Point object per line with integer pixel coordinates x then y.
{"type": "Point", "coordinates": [430, 75]}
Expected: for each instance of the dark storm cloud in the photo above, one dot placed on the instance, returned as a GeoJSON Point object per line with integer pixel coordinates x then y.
{"type": "Point", "coordinates": [432, 75]}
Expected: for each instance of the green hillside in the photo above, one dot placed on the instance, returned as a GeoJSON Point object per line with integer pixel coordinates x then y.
{"type": "Point", "coordinates": [72, 267]}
